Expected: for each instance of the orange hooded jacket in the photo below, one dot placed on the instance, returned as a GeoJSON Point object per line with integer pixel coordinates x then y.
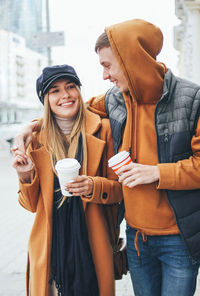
{"type": "Point", "coordinates": [136, 44]}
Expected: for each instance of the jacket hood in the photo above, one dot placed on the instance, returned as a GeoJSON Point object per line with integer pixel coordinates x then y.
{"type": "Point", "coordinates": [136, 44]}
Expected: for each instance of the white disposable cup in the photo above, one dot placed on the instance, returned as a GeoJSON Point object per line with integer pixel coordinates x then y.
{"type": "Point", "coordinates": [67, 169]}
{"type": "Point", "coordinates": [119, 160]}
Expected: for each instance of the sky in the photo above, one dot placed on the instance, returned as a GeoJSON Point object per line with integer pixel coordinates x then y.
{"type": "Point", "coordinates": [84, 20]}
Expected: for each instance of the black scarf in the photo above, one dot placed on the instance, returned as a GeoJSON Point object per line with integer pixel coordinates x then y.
{"type": "Point", "coordinates": [72, 267]}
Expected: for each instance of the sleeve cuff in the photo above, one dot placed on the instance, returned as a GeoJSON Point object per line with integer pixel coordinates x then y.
{"type": "Point", "coordinates": [26, 187]}
{"type": "Point", "coordinates": [167, 176]}
{"type": "Point", "coordinates": [99, 195]}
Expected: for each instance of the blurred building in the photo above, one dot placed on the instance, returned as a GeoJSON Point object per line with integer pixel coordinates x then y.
{"type": "Point", "coordinates": [20, 64]}
{"type": "Point", "coordinates": [186, 38]}
{"type": "Point", "coordinates": [19, 68]}
{"type": "Point", "coordinates": [24, 17]}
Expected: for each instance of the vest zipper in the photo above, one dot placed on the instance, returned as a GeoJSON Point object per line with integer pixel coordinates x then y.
{"type": "Point", "coordinates": [155, 118]}
{"type": "Point", "coordinates": [166, 141]}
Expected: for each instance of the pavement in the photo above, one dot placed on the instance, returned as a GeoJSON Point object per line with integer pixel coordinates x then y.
{"type": "Point", "coordinates": [15, 226]}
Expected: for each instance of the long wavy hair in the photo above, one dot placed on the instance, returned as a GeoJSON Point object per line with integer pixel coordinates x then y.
{"type": "Point", "coordinates": [56, 143]}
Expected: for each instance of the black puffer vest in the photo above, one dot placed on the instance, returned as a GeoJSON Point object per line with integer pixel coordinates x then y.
{"type": "Point", "coordinates": [176, 117]}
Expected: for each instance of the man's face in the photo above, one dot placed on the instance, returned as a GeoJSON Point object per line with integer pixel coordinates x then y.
{"type": "Point", "coordinates": [111, 68]}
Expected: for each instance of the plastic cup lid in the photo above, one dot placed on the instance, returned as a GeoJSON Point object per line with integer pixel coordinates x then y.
{"type": "Point", "coordinates": [67, 164]}
{"type": "Point", "coordinates": [118, 158]}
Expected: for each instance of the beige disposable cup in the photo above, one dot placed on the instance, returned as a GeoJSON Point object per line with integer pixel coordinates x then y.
{"type": "Point", "coordinates": [67, 169]}
{"type": "Point", "coordinates": [119, 160]}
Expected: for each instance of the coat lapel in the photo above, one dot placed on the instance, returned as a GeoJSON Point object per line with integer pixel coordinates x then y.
{"type": "Point", "coordinates": [95, 148]}
{"type": "Point", "coordinates": [42, 161]}
{"type": "Point", "coordinates": [95, 145]}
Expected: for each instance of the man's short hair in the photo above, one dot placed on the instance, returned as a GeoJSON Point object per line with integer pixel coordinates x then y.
{"type": "Point", "coordinates": [102, 41]}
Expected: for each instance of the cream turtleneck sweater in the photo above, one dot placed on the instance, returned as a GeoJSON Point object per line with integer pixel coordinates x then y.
{"type": "Point", "coordinates": [65, 124]}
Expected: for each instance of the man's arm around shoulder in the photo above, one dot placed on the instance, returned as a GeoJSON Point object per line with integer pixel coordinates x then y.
{"type": "Point", "coordinates": [97, 105]}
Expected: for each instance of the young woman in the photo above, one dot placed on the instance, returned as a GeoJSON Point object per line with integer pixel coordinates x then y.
{"type": "Point", "coordinates": [69, 251]}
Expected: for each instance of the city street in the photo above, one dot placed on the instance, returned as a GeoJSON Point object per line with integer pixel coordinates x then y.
{"type": "Point", "coordinates": [150, 52]}
{"type": "Point", "coordinates": [15, 225]}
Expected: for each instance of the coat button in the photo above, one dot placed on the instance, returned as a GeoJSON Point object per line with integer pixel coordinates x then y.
{"type": "Point", "coordinates": [104, 195]}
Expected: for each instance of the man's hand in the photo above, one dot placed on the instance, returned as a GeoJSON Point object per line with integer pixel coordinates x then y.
{"type": "Point", "coordinates": [82, 185]}
{"type": "Point", "coordinates": [135, 174]}
{"type": "Point", "coordinates": [23, 139]}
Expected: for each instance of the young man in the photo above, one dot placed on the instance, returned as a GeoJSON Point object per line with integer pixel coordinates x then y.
{"type": "Point", "coordinates": [155, 116]}
{"type": "Point", "coordinates": [159, 124]}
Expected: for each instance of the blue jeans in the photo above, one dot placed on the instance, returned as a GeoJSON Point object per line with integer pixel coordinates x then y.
{"type": "Point", "coordinates": [164, 267]}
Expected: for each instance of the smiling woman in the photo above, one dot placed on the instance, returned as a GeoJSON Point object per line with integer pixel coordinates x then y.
{"type": "Point", "coordinates": [70, 247]}
{"type": "Point", "coordinates": [64, 98]}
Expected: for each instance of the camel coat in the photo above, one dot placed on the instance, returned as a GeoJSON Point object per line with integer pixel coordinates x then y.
{"type": "Point", "coordinates": [37, 197]}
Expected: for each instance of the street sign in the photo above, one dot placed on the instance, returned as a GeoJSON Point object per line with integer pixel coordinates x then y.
{"type": "Point", "coordinates": [48, 39]}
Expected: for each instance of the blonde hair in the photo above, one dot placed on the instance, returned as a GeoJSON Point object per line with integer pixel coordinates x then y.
{"type": "Point", "coordinates": [56, 142]}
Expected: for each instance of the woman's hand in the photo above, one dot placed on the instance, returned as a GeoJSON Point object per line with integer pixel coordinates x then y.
{"type": "Point", "coordinates": [23, 139]}
{"type": "Point", "coordinates": [135, 174]}
{"type": "Point", "coordinates": [82, 185]}
{"type": "Point", "coordinates": [24, 167]}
